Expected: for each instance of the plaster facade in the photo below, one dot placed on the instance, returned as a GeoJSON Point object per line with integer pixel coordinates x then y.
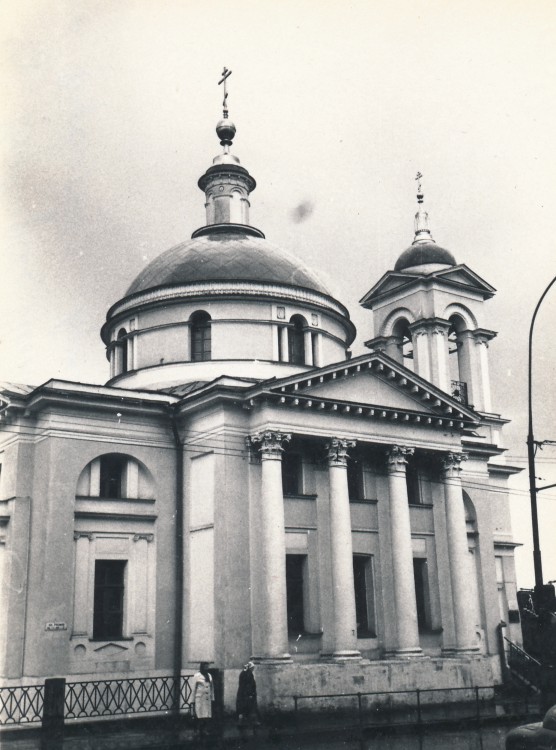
{"type": "Point", "coordinates": [240, 488]}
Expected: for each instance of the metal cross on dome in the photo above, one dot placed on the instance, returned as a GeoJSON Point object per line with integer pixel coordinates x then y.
{"type": "Point", "coordinates": [225, 74]}
{"type": "Point", "coordinates": [419, 177]}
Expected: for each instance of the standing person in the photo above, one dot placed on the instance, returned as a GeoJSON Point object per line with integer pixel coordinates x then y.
{"type": "Point", "coordinates": [246, 702]}
{"type": "Point", "coordinates": [203, 697]}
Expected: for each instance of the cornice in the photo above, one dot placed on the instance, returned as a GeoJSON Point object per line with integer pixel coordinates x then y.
{"type": "Point", "coordinates": [226, 288]}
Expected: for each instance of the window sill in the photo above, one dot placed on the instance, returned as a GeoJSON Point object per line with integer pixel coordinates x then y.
{"type": "Point", "coordinates": [420, 505]}
{"type": "Point", "coordinates": [300, 496]}
{"type": "Point", "coordinates": [363, 500]}
{"type": "Point", "coordinates": [110, 640]}
{"type": "Point", "coordinates": [116, 499]}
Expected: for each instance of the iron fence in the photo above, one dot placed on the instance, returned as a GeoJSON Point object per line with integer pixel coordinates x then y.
{"type": "Point", "coordinates": [28, 704]}
{"type": "Point", "coordinates": [22, 704]}
{"type": "Point", "coordinates": [459, 391]}
{"type": "Point", "coordinates": [136, 695]}
{"type": "Point", "coordinates": [416, 707]}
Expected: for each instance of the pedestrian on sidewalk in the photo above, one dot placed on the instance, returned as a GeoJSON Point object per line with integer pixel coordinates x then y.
{"type": "Point", "coordinates": [247, 710]}
{"type": "Point", "coordinates": [203, 698]}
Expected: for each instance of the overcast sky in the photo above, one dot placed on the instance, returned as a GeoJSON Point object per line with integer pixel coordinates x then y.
{"type": "Point", "coordinates": [108, 113]}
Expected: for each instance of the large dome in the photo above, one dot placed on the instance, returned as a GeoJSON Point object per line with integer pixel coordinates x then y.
{"type": "Point", "coordinates": [424, 253]}
{"type": "Point", "coordinates": [226, 256]}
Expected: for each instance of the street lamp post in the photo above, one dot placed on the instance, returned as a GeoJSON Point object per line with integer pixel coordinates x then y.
{"type": "Point", "coordinates": [544, 599]}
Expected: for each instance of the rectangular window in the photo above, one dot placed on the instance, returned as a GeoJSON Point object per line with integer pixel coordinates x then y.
{"type": "Point", "coordinates": [422, 593]}
{"type": "Point", "coordinates": [364, 596]}
{"type": "Point", "coordinates": [413, 480]}
{"type": "Point", "coordinates": [296, 566]}
{"type": "Point", "coordinates": [108, 613]}
{"type": "Point", "coordinates": [355, 479]}
{"type": "Point", "coordinates": [292, 474]}
{"type": "Point", "coordinates": [112, 468]}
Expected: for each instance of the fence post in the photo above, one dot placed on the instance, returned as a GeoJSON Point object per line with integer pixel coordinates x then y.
{"type": "Point", "coordinates": [418, 706]}
{"type": "Point", "coordinates": [53, 710]}
{"type": "Point", "coordinates": [360, 712]}
{"type": "Point", "coordinates": [295, 717]}
{"type": "Point", "coordinates": [477, 705]}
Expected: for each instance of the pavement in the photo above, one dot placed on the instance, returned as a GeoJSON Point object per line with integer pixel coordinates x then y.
{"type": "Point", "coordinates": [164, 733]}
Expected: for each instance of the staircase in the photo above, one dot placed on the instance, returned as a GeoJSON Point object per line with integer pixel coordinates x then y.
{"type": "Point", "coordinates": [522, 666]}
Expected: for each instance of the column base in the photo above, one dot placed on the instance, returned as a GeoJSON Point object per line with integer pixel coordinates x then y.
{"type": "Point", "coordinates": [454, 652]}
{"type": "Point", "coordinates": [405, 653]}
{"type": "Point", "coordinates": [344, 655]}
{"type": "Point", "coordinates": [279, 659]}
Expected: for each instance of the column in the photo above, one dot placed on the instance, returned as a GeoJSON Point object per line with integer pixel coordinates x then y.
{"type": "Point", "coordinates": [81, 602]}
{"type": "Point", "coordinates": [421, 353]}
{"type": "Point", "coordinates": [458, 555]}
{"type": "Point", "coordinates": [439, 348]}
{"type": "Point", "coordinates": [270, 629]}
{"type": "Point", "coordinates": [402, 555]}
{"type": "Point", "coordinates": [466, 365]}
{"type": "Point", "coordinates": [345, 621]}
{"type": "Point", "coordinates": [285, 344]}
{"type": "Point", "coordinates": [482, 345]}
{"type": "Point", "coordinates": [308, 347]}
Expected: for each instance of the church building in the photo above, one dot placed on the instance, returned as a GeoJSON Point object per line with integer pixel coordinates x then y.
{"type": "Point", "coordinates": [242, 488]}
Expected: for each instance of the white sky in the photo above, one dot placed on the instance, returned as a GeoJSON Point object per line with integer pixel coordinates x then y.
{"type": "Point", "coordinates": [108, 113]}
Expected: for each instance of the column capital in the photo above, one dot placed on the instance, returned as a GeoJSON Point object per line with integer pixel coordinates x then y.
{"type": "Point", "coordinates": [397, 457]}
{"type": "Point", "coordinates": [427, 326]}
{"type": "Point", "coordinates": [451, 464]}
{"type": "Point", "coordinates": [146, 537]}
{"type": "Point", "coordinates": [85, 534]}
{"type": "Point", "coordinates": [269, 443]}
{"type": "Point", "coordinates": [337, 451]}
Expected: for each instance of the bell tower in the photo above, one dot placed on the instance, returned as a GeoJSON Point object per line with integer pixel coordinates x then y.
{"type": "Point", "coordinates": [427, 315]}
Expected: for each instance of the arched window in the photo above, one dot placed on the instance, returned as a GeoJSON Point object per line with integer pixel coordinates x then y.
{"type": "Point", "coordinates": [403, 334]}
{"type": "Point", "coordinates": [456, 359]}
{"type": "Point", "coordinates": [122, 346]}
{"type": "Point", "coordinates": [200, 336]}
{"type": "Point", "coordinates": [296, 339]}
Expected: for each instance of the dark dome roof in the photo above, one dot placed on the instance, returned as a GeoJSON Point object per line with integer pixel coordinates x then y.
{"type": "Point", "coordinates": [226, 256]}
{"type": "Point", "coordinates": [421, 253]}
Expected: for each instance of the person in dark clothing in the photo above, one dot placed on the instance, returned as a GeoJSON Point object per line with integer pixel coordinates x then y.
{"type": "Point", "coordinates": [247, 710]}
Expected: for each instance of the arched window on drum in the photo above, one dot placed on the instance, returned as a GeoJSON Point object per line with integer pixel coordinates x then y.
{"type": "Point", "coordinates": [201, 336]}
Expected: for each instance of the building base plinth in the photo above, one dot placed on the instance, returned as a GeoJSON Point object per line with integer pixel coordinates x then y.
{"type": "Point", "coordinates": [280, 659]}
{"type": "Point", "coordinates": [405, 653]}
{"type": "Point", "coordinates": [389, 679]}
{"type": "Point", "coordinates": [451, 653]}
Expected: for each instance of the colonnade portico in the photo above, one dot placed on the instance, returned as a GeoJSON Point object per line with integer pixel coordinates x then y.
{"type": "Point", "coordinates": [270, 628]}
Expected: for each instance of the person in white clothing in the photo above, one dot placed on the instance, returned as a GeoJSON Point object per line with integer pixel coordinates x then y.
{"type": "Point", "coordinates": [203, 697]}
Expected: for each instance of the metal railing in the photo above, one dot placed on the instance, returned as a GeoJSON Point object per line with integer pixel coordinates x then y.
{"type": "Point", "coordinates": [28, 704]}
{"type": "Point", "coordinates": [523, 665]}
{"type": "Point", "coordinates": [22, 704]}
{"type": "Point", "coordinates": [136, 695]}
{"type": "Point", "coordinates": [459, 391]}
{"type": "Point", "coordinates": [415, 707]}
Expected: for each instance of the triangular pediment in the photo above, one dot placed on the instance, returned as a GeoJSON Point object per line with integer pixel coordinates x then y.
{"type": "Point", "coordinates": [368, 384]}
{"type": "Point", "coordinates": [456, 276]}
